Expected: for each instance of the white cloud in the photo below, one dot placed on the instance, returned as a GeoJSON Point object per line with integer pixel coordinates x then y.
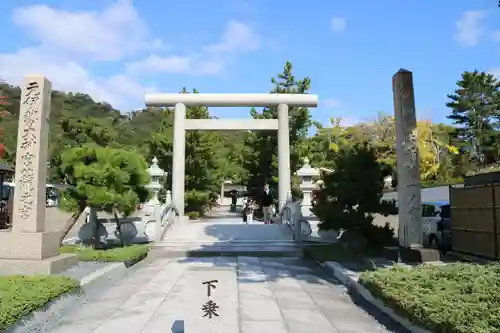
{"type": "Point", "coordinates": [212, 59]}
{"type": "Point", "coordinates": [169, 64]}
{"type": "Point", "coordinates": [110, 34]}
{"type": "Point", "coordinates": [238, 37]}
{"type": "Point", "coordinates": [338, 24]}
{"type": "Point", "coordinates": [331, 103]}
{"type": "Point", "coordinates": [66, 75]}
{"type": "Point", "coordinates": [63, 38]}
{"type": "Point", "coordinates": [469, 27]}
{"type": "Point", "coordinates": [66, 40]}
{"type": "Point", "coordinates": [495, 72]}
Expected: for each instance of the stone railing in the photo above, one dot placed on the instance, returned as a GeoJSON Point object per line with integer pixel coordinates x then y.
{"type": "Point", "coordinates": [291, 215]}
{"type": "Point", "coordinates": [148, 225]}
{"type": "Point", "coordinates": [164, 217]}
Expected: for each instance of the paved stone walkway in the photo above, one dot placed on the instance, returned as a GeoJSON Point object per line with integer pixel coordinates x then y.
{"type": "Point", "coordinates": [253, 295]}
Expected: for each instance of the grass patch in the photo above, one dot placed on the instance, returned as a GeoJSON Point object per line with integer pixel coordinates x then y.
{"type": "Point", "coordinates": [455, 298]}
{"type": "Point", "coordinates": [132, 253]}
{"type": "Point", "coordinates": [335, 252]}
{"type": "Point", "coordinates": [21, 295]}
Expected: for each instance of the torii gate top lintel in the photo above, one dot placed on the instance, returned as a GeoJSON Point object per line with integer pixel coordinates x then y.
{"type": "Point", "coordinates": [234, 100]}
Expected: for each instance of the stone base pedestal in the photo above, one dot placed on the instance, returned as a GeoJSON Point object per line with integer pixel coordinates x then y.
{"type": "Point", "coordinates": [411, 255]}
{"type": "Point", "coordinates": [48, 266]}
{"type": "Point", "coordinates": [31, 253]}
{"type": "Point", "coordinates": [306, 210]}
{"type": "Point", "coordinates": [29, 245]}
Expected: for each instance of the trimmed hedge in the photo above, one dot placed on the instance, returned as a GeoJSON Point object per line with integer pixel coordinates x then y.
{"type": "Point", "coordinates": [193, 215]}
{"type": "Point", "coordinates": [128, 254]}
{"type": "Point", "coordinates": [21, 295]}
{"type": "Point", "coordinates": [453, 298]}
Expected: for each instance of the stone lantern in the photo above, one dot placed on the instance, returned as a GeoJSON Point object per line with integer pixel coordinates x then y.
{"type": "Point", "coordinates": [307, 185]}
{"type": "Point", "coordinates": [155, 186]}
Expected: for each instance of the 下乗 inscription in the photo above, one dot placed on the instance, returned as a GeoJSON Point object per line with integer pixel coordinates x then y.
{"type": "Point", "coordinates": [210, 307]}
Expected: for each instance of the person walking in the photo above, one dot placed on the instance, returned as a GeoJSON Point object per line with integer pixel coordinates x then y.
{"type": "Point", "coordinates": [267, 203]}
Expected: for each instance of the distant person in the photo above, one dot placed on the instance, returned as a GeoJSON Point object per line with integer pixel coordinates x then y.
{"type": "Point", "coordinates": [248, 211]}
{"type": "Point", "coordinates": [87, 214]}
{"type": "Point", "coordinates": [234, 200]}
{"type": "Point", "coordinates": [267, 203]}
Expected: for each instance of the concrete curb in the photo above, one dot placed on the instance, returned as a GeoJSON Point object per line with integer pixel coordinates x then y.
{"type": "Point", "coordinates": [106, 276]}
{"type": "Point", "coordinates": [350, 279]}
{"type": "Point", "coordinates": [45, 319]}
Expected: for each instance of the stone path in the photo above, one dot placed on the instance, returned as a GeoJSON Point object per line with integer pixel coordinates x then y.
{"type": "Point", "coordinates": [219, 231]}
{"type": "Point", "coordinates": [254, 295]}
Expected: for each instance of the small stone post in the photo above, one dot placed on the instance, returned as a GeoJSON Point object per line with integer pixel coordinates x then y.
{"type": "Point", "coordinates": [408, 162]}
{"type": "Point", "coordinates": [28, 249]}
{"type": "Point", "coordinates": [168, 198]}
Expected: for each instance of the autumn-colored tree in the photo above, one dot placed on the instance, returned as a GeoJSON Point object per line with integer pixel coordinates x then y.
{"type": "Point", "coordinates": [432, 149]}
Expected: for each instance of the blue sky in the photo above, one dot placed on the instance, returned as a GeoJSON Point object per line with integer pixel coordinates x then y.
{"type": "Point", "coordinates": [118, 50]}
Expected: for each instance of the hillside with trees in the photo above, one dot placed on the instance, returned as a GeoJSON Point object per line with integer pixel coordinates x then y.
{"type": "Point", "coordinates": [447, 151]}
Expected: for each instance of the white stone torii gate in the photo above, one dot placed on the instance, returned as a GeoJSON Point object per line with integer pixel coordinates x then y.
{"type": "Point", "coordinates": [181, 125]}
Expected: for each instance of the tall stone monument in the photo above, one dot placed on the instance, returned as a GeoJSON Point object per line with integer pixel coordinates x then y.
{"type": "Point", "coordinates": [409, 197]}
{"type": "Point", "coordinates": [408, 168]}
{"type": "Point", "coordinates": [28, 249]}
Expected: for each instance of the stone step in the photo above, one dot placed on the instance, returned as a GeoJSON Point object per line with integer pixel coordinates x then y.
{"type": "Point", "coordinates": [254, 248]}
{"type": "Point", "coordinates": [177, 242]}
{"type": "Point", "coordinates": [227, 252]}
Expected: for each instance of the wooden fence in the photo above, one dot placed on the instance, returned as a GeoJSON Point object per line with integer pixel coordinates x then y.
{"type": "Point", "coordinates": [475, 214]}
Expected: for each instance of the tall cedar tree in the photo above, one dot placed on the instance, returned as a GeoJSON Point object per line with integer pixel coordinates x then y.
{"type": "Point", "coordinates": [475, 109]}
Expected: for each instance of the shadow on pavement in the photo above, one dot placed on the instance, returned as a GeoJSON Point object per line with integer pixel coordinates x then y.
{"type": "Point", "coordinates": [267, 254]}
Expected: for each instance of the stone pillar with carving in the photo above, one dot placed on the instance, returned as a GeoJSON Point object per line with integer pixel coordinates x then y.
{"type": "Point", "coordinates": [28, 249]}
{"type": "Point", "coordinates": [408, 163]}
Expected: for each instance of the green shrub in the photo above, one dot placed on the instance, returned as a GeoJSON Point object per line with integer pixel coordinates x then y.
{"type": "Point", "coordinates": [117, 254]}
{"type": "Point", "coordinates": [454, 298]}
{"type": "Point", "coordinates": [21, 295]}
{"type": "Point", "coordinates": [351, 196]}
{"type": "Point", "coordinates": [197, 201]}
{"type": "Point", "coordinates": [377, 236]}
{"type": "Point", "coordinates": [193, 215]}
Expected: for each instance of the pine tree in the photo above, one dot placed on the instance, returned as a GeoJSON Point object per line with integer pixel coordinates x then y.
{"type": "Point", "coordinates": [260, 154]}
{"type": "Point", "coordinates": [476, 110]}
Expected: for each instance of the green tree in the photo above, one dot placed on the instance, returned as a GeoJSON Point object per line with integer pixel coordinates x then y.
{"type": "Point", "coordinates": [108, 179]}
{"type": "Point", "coordinates": [73, 131]}
{"type": "Point", "coordinates": [351, 195]}
{"type": "Point", "coordinates": [202, 174]}
{"type": "Point", "coordinates": [259, 157]}
{"type": "Point", "coordinates": [475, 108]}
